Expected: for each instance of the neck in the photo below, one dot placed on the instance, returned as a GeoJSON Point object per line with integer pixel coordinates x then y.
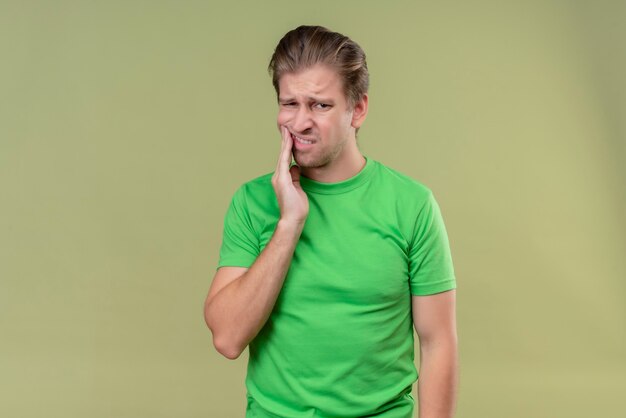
{"type": "Point", "coordinates": [347, 164]}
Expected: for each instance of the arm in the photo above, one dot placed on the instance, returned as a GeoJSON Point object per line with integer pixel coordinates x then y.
{"type": "Point", "coordinates": [434, 318]}
{"type": "Point", "coordinates": [241, 300]}
{"type": "Point", "coordinates": [236, 312]}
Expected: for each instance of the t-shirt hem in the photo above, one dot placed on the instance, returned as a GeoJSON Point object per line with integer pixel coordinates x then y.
{"type": "Point", "coordinates": [432, 288]}
{"type": "Point", "coordinates": [234, 263]}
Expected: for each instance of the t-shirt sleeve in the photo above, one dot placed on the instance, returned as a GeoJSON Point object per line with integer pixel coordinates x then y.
{"type": "Point", "coordinates": [430, 261]}
{"type": "Point", "coordinates": [240, 243]}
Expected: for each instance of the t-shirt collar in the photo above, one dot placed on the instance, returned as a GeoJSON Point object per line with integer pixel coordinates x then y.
{"type": "Point", "coordinates": [360, 178]}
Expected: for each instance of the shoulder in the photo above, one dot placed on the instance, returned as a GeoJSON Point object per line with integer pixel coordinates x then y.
{"type": "Point", "coordinates": [403, 185]}
{"type": "Point", "coordinates": [259, 184]}
{"type": "Point", "coordinates": [257, 191]}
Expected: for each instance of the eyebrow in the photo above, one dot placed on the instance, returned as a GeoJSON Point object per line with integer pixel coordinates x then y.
{"type": "Point", "coordinates": [310, 98]}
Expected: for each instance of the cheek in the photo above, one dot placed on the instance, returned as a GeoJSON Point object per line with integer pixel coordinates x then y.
{"type": "Point", "coordinates": [347, 119]}
{"type": "Point", "coordinates": [334, 124]}
{"type": "Point", "coordinates": [283, 117]}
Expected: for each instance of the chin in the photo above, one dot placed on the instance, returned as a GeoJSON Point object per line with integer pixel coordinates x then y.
{"type": "Point", "coordinates": [307, 162]}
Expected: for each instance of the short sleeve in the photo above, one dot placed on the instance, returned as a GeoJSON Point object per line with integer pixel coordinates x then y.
{"type": "Point", "coordinates": [430, 261]}
{"type": "Point", "coordinates": [240, 244]}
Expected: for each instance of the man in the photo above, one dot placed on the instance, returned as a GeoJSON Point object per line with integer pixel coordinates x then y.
{"type": "Point", "coordinates": [327, 264]}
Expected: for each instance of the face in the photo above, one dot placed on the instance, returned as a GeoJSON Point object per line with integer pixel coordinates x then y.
{"type": "Point", "coordinates": [314, 109]}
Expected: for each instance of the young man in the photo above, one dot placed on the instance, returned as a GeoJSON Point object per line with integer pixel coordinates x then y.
{"type": "Point", "coordinates": [327, 264]}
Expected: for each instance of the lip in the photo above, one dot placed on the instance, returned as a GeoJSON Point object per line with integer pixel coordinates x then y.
{"type": "Point", "coordinates": [300, 145]}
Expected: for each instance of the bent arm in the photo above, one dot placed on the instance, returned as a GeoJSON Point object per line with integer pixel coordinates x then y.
{"type": "Point", "coordinates": [236, 312]}
{"type": "Point", "coordinates": [434, 317]}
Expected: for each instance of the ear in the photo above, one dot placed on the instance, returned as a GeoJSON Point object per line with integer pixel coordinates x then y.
{"type": "Point", "coordinates": [360, 112]}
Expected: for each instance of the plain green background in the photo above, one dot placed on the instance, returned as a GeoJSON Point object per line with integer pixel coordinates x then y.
{"type": "Point", "coordinates": [126, 126]}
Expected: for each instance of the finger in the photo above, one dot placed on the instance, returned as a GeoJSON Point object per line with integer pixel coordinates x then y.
{"type": "Point", "coordinates": [282, 149]}
{"type": "Point", "coordinates": [285, 152]}
{"type": "Point", "coordinates": [282, 165]}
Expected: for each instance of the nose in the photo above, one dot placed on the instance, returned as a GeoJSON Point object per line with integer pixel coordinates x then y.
{"type": "Point", "coordinates": [302, 120]}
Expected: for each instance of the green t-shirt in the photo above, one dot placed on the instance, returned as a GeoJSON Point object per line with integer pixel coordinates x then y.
{"type": "Point", "coordinates": [339, 341]}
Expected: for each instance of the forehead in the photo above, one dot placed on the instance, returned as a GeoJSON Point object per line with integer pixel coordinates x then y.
{"type": "Point", "coordinates": [319, 80]}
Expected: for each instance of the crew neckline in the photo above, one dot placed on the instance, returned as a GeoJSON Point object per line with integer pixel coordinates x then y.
{"type": "Point", "coordinates": [343, 186]}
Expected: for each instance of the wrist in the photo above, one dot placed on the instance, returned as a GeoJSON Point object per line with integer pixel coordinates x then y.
{"type": "Point", "coordinates": [291, 225]}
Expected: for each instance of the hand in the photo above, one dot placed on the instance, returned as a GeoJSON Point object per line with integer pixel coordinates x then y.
{"type": "Point", "coordinates": [292, 200]}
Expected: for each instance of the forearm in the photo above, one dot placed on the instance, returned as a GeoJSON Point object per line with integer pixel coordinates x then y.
{"type": "Point", "coordinates": [237, 313]}
{"type": "Point", "coordinates": [438, 378]}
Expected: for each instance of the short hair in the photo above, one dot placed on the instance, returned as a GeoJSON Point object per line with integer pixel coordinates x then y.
{"type": "Point", "coordinates": [306, 46]}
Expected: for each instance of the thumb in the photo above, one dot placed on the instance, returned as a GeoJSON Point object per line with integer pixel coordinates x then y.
{"type": "Point", "coordinates": [294, 170]}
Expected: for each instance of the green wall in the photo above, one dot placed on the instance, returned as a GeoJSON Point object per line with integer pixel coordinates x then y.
{"type": "Point", "coordinates": [125, 127]}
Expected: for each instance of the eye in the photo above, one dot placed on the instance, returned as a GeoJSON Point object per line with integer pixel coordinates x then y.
{"type": "Point", "coordinates": [322, 105]}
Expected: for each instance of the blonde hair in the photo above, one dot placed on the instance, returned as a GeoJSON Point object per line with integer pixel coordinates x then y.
{"type": "Point", "coordinates": [305, 46]}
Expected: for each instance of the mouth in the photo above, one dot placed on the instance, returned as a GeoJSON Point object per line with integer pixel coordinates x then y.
{"type": "Point", "coordinates": [301, 142]}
